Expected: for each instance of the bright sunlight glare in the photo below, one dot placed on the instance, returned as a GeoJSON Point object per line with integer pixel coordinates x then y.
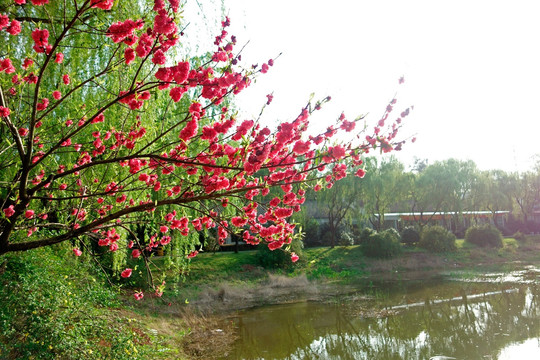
{"type": "Point", "coordinates": [471, 69]}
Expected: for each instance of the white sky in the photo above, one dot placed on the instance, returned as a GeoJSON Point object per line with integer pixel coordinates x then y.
{"type": "Point", "coordinates": [472, 68]}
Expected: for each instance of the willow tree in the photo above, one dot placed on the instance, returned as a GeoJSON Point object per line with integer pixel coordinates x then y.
{"type": "Point", "coordinates": [383, 189]}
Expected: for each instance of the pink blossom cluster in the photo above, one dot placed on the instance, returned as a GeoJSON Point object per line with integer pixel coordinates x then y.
{"type": "Point", "coordinates": [41, 41]}
{"type": "Point", "coordinates": [101, 4]}
{"type": "Point", "coordinates": [123, 31]}
{"type": "Point", "coordinates": [12, 27]}
{"type": "Point", "coordinates": [7, 66]}
{"type": "Point", "coordinates": [110, 238]}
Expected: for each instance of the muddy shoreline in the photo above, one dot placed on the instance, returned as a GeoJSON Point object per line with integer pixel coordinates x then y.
{"type": "Point", "coordinates": [279, 289]}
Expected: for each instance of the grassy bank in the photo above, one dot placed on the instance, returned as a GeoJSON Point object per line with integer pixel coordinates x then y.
{"type": "Point", "coordinates": [54, 305]}
{"type": "Point", "coordinates": [348, 263]}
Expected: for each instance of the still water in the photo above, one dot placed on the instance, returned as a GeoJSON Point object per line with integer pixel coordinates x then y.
{"type": "Point", "coordinates": [490, 317]}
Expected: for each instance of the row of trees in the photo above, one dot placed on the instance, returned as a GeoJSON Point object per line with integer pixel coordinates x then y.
{"type": "Point", "coordinates": [451, 185]}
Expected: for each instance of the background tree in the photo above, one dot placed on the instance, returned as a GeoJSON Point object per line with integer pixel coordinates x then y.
{"type": "Point", "coordinates": [384, 188]}
{"type": "Point", "coordinates": [493, 192]}
{"type": "Point", "coordinates": [338, 205]}
{"type": "Point", "coordinates": [444, 186]}
{"type": "Point", "coordinates": [525, 192]}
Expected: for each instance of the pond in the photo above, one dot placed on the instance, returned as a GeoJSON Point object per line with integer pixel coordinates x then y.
{"type": "Point", "coordinates": [495, 316]}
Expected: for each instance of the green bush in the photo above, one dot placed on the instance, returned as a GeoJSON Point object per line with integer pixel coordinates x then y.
{"type": "Point", "coordinates": [410, 236]}
{"type": "Point", "coordinates": [385, 244]}
{"type": "Point", "coordinates": [484, 235]}
{"type": "Point", "coordinates": [437, 239]}
{"type": "Point", "coordinates": [278, 259]}
{"type": "Point", "coordinates": [54, 305]}
{"type": "Point", "coordinates": [364, 235]}
{"type": "Point", "coordinates": [346, 239]}
{"type": "Point", "coordinates": [393, 233]}
{"type": "Point", "coordinates": [519, 236]}
{"type": "Point", "coordinates": [311, 232]}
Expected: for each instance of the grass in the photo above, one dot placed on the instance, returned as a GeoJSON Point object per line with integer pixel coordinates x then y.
{"type": "Point", "coordinates": [513, 254]}
{"type": "Point", "coordinates": [214, 267]}
{"type": "Point", "coordinates": [339, 262]}
{"type": "Point", "coordinates": [348, 263]}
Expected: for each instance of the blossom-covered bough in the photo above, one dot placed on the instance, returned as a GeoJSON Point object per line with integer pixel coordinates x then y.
{"type": "Point", "coordinates": [107, 126]}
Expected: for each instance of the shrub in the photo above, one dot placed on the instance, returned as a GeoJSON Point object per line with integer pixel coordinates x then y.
{"type": "Point", "coordinates": [346, 239]}
{"type": "Point", "coordinates": [54, 306]}
{"type": "Point", "coordinates": [325, 238]}
{"type": "Point", "coordinates": [385, 244]}
{"type": "Point", "coordinates": [410, 236]}
{"type": "Point", "coordinates": [278, 259]}
{"type": "Point", "coordinates": [485, 235]}
{"type": "Point", "coordinates": [311, 232]}
{"type": "Point", "coordinates": [344, 235]}
{"type": "Point", "coordinates": [437, 239]}
{"type": "Point", "coordinates": [393, 233]}
{"type": "Point", "coordinates": [365, 234]}
{"type": "Point", "coordinates": [519, 236]}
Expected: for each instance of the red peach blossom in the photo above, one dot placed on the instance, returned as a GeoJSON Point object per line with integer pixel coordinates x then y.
{"type": "Point", "coordinates": [126, 273]}
{"type": "Point", "coordinates": [4, 111]}
{"type": "Point", "coordinates": [9, 211]}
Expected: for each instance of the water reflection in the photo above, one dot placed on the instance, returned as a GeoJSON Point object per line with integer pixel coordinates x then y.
{"type": "Point", "coordinates": [482, 321]}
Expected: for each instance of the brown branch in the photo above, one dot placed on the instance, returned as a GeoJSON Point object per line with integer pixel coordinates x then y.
{"type": "Point", "coordinates": [33, 19]}
{"type": "Point", "coordinates": [27, 245]}
{"type": "Point", "coordinates": [27, 165]}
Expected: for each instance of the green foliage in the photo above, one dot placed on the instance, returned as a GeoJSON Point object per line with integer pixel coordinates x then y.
{"type": "Point", "coordinates": [384, 186]}
{"type": "Point", "coordinates": [311, 231]}
{"type": "Point", "coordinates": [410, 236]}
{"type": "Point", "coordinates": [54, 306]}
{"type": "Point", "coordinates": [437, 239]}
{"type": "Point", "coordinates": [484, 235]}
{"type": "Point", "coordinates": [519, 236]}
{"type": "Point", "coordinates": [346, 238]}
{"type": "Point", "coordinates": [385, 244]}
{"type": "Point", "coordinates": [365, 234]}
{"type": "Point", "coordinates": [339, 204]}
{"type": "Point", "coordinates": [308, 225]}
{"type": "Point", "coordinates": [278, 259]}
{"type": "Point", "coordinates": [394, 233]}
